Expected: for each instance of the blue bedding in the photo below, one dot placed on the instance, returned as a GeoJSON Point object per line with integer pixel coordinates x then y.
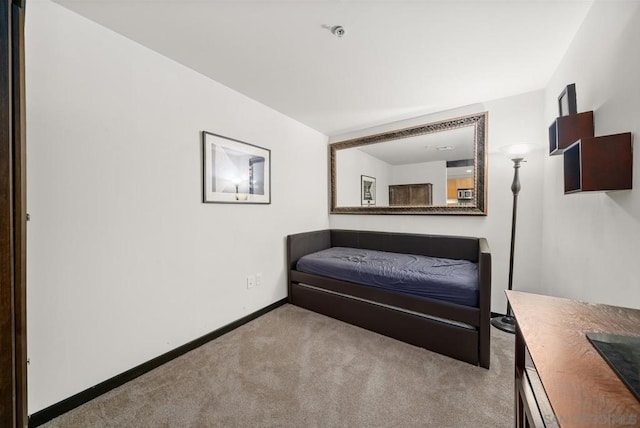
{"type": "Point", "coordinates": [454, 281]}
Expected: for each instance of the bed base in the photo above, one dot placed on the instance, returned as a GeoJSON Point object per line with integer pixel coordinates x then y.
{"type": "Point", "coordinates": [398, 316]}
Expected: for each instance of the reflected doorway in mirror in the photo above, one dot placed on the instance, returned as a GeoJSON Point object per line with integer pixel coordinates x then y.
{"type": "Point", "coordinates": [368, 190]}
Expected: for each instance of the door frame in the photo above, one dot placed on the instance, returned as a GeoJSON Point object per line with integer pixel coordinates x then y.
{"type": "Point", "coordinates": [13, 217]}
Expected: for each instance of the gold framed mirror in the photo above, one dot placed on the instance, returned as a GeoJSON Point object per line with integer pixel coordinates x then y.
{"type": "Point", "coordinates": [435, 168]}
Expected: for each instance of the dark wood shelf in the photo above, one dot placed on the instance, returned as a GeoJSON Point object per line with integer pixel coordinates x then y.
{"type": "Point", "coordinates": [598, 164]}
{"type": "Point", "coordinates": [566, 130]}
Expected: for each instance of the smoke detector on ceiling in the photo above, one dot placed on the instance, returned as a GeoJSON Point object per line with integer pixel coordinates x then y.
{"type": "Point", "coordinates": [337, 30]}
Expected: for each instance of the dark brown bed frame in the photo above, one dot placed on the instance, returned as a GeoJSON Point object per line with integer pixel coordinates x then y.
{"type": "Point", "coordinates": [399, 316]}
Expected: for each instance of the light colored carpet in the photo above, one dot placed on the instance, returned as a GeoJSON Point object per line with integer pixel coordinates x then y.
{"type": "Point", "coordinates": [295, 368]}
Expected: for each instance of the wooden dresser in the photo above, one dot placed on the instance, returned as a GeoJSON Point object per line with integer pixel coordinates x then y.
{"type": "Point", "coordinates": [411, 194]}
{"type": "Point", "coordinates": [560, 378]}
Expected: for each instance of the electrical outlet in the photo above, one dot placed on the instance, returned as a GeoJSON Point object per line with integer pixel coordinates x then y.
{"type": "Point", "coordinates": [251, 281]}
{"type": "Point", "coordinates": [258, 279]}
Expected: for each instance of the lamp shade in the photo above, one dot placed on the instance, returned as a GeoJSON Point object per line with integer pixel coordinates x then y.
{"type": "Point", "coordinates": [517, 151]}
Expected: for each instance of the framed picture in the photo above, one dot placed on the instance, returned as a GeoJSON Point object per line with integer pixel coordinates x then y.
{"type": "Point", "coordinates": [234, 172]}
{"type": "Point", "coordinates": [368, 190]}
{"type": "Point", "coordinates": [567, 101]}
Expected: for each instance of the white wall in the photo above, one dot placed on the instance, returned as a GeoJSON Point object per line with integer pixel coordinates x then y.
{"type": "Point", "coordinates": [591, 240]}
{"type": "Point", "coordinates": [125, 262]}
{"type": "Point", "coordinates": [511, 120]}
{"type": "Point", "coordinates": [424, 172]}
{"type": "Point", "coordinates": [351, 164]}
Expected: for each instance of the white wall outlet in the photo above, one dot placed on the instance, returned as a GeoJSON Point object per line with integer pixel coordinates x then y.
{"type": "Point", "coordinates": [258, 279]}
{"type": "Point", "coordinates": [251, 281]}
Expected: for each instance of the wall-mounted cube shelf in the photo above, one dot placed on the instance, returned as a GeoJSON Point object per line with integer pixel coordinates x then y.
{"type": "Point", "coordinates": [566, 130]}
{"type": "Point", "coordinates": [598, 164]}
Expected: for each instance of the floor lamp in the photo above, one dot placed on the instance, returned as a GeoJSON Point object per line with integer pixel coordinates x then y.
{"type": "Point", "coordinates": [517, 154]}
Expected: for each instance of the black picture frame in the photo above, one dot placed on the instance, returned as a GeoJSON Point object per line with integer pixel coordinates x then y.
{"type": "Point", "coordinates": [567, 101]}
{"type": "Point", "coordinates": [368, 191]}
{"type": "Point", "coordinates": [234, 172]}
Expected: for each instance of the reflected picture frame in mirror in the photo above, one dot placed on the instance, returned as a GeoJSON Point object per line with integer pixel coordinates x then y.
{"type": "Point", "coordinates": [475, 207]}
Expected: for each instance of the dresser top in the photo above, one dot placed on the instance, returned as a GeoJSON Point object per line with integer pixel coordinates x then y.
{"type": "Point", "coordinates": [580, 385]}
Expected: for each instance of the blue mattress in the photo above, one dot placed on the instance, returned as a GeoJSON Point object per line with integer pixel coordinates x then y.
{"type": "Point", "coordinates": [454, 281]}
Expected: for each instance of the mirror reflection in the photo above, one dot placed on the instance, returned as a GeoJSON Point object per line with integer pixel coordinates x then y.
{"type": "Point", "coordinates": [434, 168]}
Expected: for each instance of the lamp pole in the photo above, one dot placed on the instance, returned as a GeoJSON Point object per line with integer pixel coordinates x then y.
{"type": "Point", "coordinates": [507, 323]}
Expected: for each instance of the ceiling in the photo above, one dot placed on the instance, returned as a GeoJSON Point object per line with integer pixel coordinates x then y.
{"type": "Point", "coordinates": [450, 145]}
{"type": "Point", "coordinates": [397, 59]}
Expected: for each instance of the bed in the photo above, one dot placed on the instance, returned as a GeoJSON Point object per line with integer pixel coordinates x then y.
{"type": "Point", "coordinates": [431, 291]}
